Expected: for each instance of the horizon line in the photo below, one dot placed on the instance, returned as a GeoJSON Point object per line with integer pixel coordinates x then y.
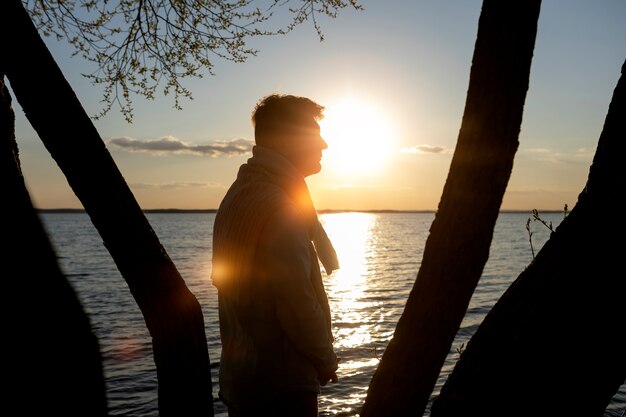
{"type": "Point", "coordinates": [322, 211]}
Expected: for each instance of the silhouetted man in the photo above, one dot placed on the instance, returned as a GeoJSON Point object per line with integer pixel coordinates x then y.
{"type": "Point", "coordinates": [277, 344]}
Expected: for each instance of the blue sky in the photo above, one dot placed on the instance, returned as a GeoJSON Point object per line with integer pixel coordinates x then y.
{"type": "Point", "coordinates": [401, 66]}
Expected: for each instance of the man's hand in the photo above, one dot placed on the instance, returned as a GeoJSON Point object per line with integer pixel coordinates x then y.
{"type": "Point", "coordinates": [323, 379]}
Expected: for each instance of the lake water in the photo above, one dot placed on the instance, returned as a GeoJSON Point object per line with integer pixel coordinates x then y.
{"type": "Point", "coordinates": [379, 253]}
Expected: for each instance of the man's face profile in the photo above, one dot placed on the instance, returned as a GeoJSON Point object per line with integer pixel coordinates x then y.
{"type": "Point", "coordinates": [304, 148]}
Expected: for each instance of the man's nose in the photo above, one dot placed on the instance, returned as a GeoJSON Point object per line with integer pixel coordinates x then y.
{"type": "Point", "coordinates": [323, 143]}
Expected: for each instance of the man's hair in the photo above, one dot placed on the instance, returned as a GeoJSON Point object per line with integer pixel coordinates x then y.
{"type": "Point", "coordinates": [276, 117]}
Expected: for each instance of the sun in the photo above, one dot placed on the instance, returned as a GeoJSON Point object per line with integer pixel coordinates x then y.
{"type": "Point", "coordinates": [360, 139]}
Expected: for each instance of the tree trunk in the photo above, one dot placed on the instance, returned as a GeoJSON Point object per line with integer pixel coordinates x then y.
{"type": "Point", "coordinates": [554, 342]}
{"type": "Point", "coordinates": [458, 245]}
{"type": "Point", "coordinates": [47, 334]}
{"type": "Point", "coordinates": [172, 313]}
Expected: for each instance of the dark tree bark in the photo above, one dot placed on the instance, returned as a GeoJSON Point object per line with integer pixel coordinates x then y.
{"type": "Point", "coordinates": [46, 333]}
{"type": "Point", "coordinates": [172, 313]}
{"type": "Point", "coordinates": [458, 245]}
{"type": "Point", "coordinates": [554, 344]}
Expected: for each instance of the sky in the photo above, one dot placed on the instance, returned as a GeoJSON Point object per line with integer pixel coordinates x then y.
{"type": "Point", "coordinates": [393, 78]}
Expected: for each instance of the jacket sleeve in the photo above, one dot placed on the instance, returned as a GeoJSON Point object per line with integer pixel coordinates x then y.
{"type": "Point", "coordinates": [286, 247]}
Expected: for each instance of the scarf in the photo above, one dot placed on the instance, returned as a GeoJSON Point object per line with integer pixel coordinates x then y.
{"type": "Point", "coordinates": [264, 184]}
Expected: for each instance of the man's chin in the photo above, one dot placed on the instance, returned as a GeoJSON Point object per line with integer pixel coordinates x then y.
{"type": "Point", "coordinates": [313, 169]}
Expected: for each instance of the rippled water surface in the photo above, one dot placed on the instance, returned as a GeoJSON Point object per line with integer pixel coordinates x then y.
{"type": "Point", "coordinates": [379, 253]}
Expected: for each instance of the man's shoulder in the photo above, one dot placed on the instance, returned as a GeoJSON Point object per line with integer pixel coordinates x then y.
{"type": "Point", "coordinates": [256, 194]}
{"type": "Point", "coordinates": [286, 220]}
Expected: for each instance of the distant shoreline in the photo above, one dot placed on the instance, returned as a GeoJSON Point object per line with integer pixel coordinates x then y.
{"type": "Point", "coordinates": [324, 211]}
{"type": "Point", "coordinates": [170, 210]}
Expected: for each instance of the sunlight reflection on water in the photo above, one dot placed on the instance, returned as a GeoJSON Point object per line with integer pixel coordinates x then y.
{"type": "Point", "coordinates": [354, 313]}
{"type": "Point", "coordinates": [351, 234]}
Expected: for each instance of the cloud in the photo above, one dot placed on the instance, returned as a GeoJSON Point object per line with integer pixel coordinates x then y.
{"type": "Point", "coordinates": [175, 185]}
{"type": "Point", "coordinates": [578, 156]}
{"type": "Point", "coordinates": [171, 145]}
{"type": "Point", "coordinates": [424, 149]}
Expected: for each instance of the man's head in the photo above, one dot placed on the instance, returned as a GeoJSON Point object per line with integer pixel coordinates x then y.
{"type": "Point", "coordinates": [289, 125]}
